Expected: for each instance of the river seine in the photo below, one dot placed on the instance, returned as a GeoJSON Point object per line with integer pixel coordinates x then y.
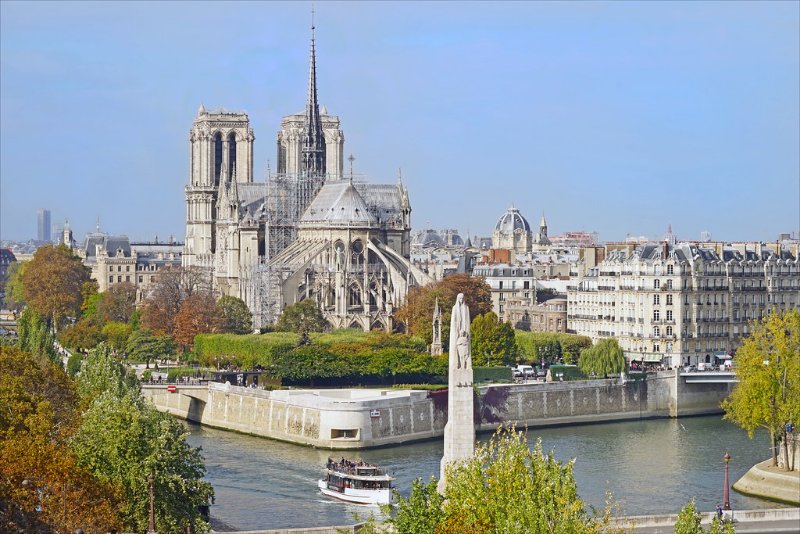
{"type": "Point", "coordinates": [651, 467]}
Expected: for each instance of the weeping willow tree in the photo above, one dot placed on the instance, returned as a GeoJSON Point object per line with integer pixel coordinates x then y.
{"type": "Point", "coordinates": [602, 359]}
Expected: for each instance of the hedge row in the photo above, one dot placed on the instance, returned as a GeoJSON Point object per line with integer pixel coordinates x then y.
{"type": "Point", "coordinates": [533, 347]}
{"type": "Point", "coordinates": [342, 357]}
{"type": "Point", "coordinates": [500, 375]}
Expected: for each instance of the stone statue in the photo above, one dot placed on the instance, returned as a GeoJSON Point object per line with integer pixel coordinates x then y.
{"type": "Point", "coordinates": [459, 432]}
{"type": "Point", "coordinates": [460, 339]}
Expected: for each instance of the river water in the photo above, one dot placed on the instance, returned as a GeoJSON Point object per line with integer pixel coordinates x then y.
{"type": "Point", "coordinates": [651, 467]}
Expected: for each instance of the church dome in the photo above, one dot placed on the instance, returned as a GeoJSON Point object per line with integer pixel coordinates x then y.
{"type": "Point", "coordinates": [512, 220]}
{"type": "Point", "coordinates": [430, 237]}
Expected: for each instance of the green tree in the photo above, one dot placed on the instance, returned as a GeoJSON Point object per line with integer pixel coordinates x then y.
{"type": "Point", "coordinates": [53, 283]}
{"type": "Point", "coordinates": [302, 318]}
{"type": "Point", "coordinates": [505, 486]}
{"type": "Point", "coordinates": [15, 292]}
{"type": "Point", "coordinates": [122, 439]}
{"type": "Point", "coordinates": [234, 316]}
{"type": "Point", "coordinates": [422, 512]}
{"type": "Point", "coordinates": [144, 346]}
{"type": "Point", "coordinates": [492, 341]}
{"type": "Point", "coordinates": [768, 368]}
{"type": "Point", "coordinates": [602, 359]}
{"type": "Point", "coordinates": [35, 336]}
{"type": "Point", "coordinates": [117, 335]}
{"type": "Point", "coordinates": [101, 371]}
{"type": "Point", "coordinates": [688, 521]}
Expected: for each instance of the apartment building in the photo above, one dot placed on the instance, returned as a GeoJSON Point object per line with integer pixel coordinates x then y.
{"type": "Point", "coordinates": [685, 303]}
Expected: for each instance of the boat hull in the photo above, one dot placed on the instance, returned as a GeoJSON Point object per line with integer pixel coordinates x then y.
{"type": "Point", "coordinates": [374, 497]}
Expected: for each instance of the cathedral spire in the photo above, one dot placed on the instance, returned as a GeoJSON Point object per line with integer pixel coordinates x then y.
{"type": "Point", "coordinates": [314, 140]}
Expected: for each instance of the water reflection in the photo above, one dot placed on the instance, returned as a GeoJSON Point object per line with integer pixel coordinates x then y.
{"type": "Point", "coordinates": [651, 467]}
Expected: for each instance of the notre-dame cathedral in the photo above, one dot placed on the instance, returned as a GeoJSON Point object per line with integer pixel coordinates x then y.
{"type": "Point", "coordinates": [308, 232]}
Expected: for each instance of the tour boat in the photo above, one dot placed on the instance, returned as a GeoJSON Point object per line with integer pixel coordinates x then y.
{"type": "Point", "coordinates": [356, 482]}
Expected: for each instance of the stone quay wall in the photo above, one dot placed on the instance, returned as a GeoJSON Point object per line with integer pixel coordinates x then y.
{"type": "Point", "coordinates": [363, 418]}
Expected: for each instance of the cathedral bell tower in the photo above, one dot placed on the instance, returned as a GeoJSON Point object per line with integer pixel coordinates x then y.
{"type": "Point", "coordinates": [221, 149]}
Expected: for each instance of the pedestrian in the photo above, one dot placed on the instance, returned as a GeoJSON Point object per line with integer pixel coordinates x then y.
{"type": "Point", "coordinates": [719, 511]}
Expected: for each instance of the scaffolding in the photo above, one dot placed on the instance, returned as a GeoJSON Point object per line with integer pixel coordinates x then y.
{"type": "Point", "coordinates": [287, 198]}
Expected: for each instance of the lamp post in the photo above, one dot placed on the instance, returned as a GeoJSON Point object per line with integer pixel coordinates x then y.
{"type": "Point", "coordinates": [726, 499]}
{"type": "Point", "coordinates": [152, 529]}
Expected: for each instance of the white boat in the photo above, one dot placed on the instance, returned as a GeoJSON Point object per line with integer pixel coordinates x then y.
{"type": "Point", "coordinates": [356, 482]}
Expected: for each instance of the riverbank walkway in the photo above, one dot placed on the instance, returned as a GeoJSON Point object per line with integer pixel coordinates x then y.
{"type": "Point", "coordinates": [774, 520]}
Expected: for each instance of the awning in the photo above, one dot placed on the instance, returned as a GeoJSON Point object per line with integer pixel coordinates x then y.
{"type": "Point", "coordinates": [651, 357]}
{"type": "Point", "coordinates": [722, 356]}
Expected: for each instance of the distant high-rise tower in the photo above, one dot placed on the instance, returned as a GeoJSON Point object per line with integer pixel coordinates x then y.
{"type": "Point", "coordinates": [43, 227]}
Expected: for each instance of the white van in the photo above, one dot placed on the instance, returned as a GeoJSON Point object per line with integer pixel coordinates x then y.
{"type": "Point", "coordinates": [524, 371]}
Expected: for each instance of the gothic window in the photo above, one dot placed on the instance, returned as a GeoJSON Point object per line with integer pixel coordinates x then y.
{"type": "Point", "coordinates": [231, 155]}
{"type": "Point", "coordinates": [354, 295]}
{"type": "Point", "coordinates": [357, 251]}
{"type": "Point", "coordinates": [217, 157]}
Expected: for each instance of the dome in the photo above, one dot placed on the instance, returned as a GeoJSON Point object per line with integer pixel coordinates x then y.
{"type": "Point", "coordinates": [512, 220]}
{"type": "Point", "coordinates": [431, 238]}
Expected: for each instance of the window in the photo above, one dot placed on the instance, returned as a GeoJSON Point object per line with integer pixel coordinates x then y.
{"type": "Point", "coordinates": [656, 299]}
{"type": "Point", "coordinates": [127, 268]}
{"type": "Point", "coordinates": [127, 278]}
{"type": "Point", "coordinates": [656, 331]}
{"type": "Point", "coordinates": [669, 284]}
{"type": "Point", "coordinates": [110, 279]}
{"type": "Point", "coordinates": [669, 315]}
{"type": "Point", "coordinates": [669, 330]}
{"type": "Point", "coordinates": [669, 300]}
{"type": "Point", "coordinates": [669, 269]}
{"type": "Point", "coordinates": [140, 279]}
{"type": "Point", "coordinates": [656, 315]}
{"type": "Point", "coordinates": [152, 279]}
{"type": "Point", "coordinates": [119, 279]}
{"type": "Point", "coordinates": [656, 347]}
{"type": "Point", "coordinates": [656, 284]}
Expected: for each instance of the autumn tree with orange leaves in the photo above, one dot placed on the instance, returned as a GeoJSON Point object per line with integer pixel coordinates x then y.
{"type": "Point", "coordinates": [41, 485]}
{"type": "Point", "coordinates": [53, 283]}
{"type": "Point", "coordinates": [197, 315]}
{"type": "Point", "coordinates": [417, 313]}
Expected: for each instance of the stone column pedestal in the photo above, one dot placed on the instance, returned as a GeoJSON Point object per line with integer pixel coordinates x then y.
{"type": "Point", "coordinates": [459, 432]}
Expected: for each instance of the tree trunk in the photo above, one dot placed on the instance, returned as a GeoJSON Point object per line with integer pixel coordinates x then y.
{"type": "Point", "coordinates": [775, 446]}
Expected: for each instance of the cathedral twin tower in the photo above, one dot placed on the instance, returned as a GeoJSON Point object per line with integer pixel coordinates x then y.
{"type": "Point", "coordinates": [305, 233]}
{"type": "Point", "coordinates": [310, 149]}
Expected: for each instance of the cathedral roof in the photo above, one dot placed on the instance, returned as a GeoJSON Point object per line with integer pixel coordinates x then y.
{"type": "Point", "coordinates": [512, 220]}
{"type": "Point", "coordinates": [338, 202]}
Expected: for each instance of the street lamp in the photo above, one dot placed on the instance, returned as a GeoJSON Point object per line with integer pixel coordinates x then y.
{"type": "Point", "coordinates": [152, 529]}
{"type": "Point", "coordinates": [726, 498]}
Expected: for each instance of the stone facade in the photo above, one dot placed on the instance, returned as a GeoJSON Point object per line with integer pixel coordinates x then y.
{"type": "Point", "coordinates": [115, 260]}
{"type": "Point", "coordinates": [682, 304]}
{"type": "Point", "coordinates": [508, 282]}
{"type": "Point", "coordinates": [549, 316]}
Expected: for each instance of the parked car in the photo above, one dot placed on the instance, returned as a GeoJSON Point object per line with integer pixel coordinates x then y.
{"type": "Point", "coordinates": [524, 371]}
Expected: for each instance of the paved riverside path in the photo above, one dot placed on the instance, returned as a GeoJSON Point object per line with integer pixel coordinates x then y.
{"type": "Point", "coordinates": [767, 521]}
{"type": "Point", "coordinates": [745, 521]}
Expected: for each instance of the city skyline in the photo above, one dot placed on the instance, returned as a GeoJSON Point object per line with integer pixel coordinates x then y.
{"type": "Point", "coordinates": [682, 114]}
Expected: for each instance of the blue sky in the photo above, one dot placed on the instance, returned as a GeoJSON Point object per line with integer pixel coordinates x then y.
{"type": "Point", "coordinates": [619, 117]}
